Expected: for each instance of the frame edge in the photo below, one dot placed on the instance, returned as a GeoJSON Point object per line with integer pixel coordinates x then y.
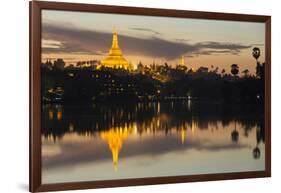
{"type": "Point", "coordinates": [34, 96]}
{"type": "Point", "coordinates": [268, 96]}
{"type": "Point", "coordinates": [35, 184]}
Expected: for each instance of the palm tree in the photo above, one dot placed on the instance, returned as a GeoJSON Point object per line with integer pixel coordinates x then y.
{"type": "Point", "coordinates": [256, 53]}
{"type": "Point", "coordinates": [260, 67]}
{"type": "Point", "coordinates": [234, 69]}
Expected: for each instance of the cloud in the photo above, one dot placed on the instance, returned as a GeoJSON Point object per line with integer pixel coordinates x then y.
{"type": "Point", "coordinates": [182, 40]}
{"type": "Point", "coordinates": [50, 44]}
{"type": "Point", "coordinates": [74, 40]}
{"type": "Point", "coordinates": [224, 46]}
{"type": "Point", "coordinates": [215, 52]}
{"type": "Point", "coordinates": [146, 30]}
{"type": "Point", "coordinates": [258, 45]}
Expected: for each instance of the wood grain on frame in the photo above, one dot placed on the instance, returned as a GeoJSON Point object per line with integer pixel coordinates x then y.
{"type": "Point", "coordinates": [35, 94]}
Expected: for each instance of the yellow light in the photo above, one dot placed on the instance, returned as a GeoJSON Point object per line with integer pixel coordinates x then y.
{"type": "Point", "coordinates": [51, 114]}
{"type": "Point", "coordinates": [115, 57]}
{"type": "Point", "coordinates": [182, 136]}
{"type": "Point", "coordinates": [114, 138]}
{"type": "Point", "coordinates": [182, 60]}
{"type": "Point", "coordinates": [59, 115]}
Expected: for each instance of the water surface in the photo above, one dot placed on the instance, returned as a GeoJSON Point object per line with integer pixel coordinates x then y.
{"type": "Point", "coordinates": [152, 139]}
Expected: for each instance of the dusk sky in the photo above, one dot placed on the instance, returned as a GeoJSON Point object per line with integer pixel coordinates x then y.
{"type": "Point", "coordinates": [78, 36]}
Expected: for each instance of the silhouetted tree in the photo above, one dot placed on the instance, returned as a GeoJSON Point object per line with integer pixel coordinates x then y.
{"type": "Point", "coordinates": [202, 70]}
{"type": "Point", "coordinates": [59, 64]}
{"type": "Point", "coordinates": [140, 67]}
{"type": "Point", "coordinates": [216, 70]}
{"type": "Point", "coordinates": [166, 67]}
{"type": "Point", "coordinates": [245, 72]}
{"type": "Point", "coordinates": [181, 68]}
{"type": "Point", "coordinates": [234, 69]}
{"type": "Point", "coordinates": [256, 53]}
{"type": "Point", "coordinates": [260, 67]}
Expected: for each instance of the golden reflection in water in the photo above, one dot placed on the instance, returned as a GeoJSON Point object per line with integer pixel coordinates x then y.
{"type": "Point", "coordinates": [194, 125]}
{"type": "Point", "coordinates": [51, 114]}
{"type": "Point", "coordinates": [158, 108]}
{"type": "Point", "coordinates": [182, 135]}
{"type": "Point", "coordinates": [115, 138]}
{"type": "Point", "coordinates": [59, 114]}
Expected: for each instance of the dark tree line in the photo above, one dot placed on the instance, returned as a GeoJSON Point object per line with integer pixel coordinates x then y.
{"type": "Point", "coordinates": [157, 82]}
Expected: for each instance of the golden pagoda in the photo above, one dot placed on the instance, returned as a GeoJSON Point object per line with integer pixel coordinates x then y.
{"type": "Point", "coordinates": [115, 57]}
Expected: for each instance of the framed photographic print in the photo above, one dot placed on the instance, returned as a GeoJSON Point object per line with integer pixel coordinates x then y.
{"type": "Point", "coordinates": [123, 96]}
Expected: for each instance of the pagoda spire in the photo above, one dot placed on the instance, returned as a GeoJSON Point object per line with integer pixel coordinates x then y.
{"type": "Point", "coordinates": [182, 60]}
{"type": "Point", "coordinates": [115, 40]}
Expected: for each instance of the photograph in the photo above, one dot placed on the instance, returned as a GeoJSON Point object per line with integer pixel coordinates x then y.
{"type": "Point", "coordinates": [126, 96]}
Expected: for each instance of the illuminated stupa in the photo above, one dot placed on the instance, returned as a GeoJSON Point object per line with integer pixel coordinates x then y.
{"type": "Point", "coordinates": [115, 57]}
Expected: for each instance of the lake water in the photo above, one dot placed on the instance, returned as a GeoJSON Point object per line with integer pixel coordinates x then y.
{"type": "Point", "coordinates": [121, 141]}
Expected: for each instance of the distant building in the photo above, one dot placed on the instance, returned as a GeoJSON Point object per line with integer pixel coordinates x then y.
{"type": "Point", "coordinates": [48, 65]}
{"type": "Point", "coordinates": [87, 64]}
{"type": "Point", "coordinates": [115, 57]}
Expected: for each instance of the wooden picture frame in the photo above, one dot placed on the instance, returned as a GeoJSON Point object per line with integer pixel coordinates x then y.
{"type": "Point", "coordinates": [35, 94]}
